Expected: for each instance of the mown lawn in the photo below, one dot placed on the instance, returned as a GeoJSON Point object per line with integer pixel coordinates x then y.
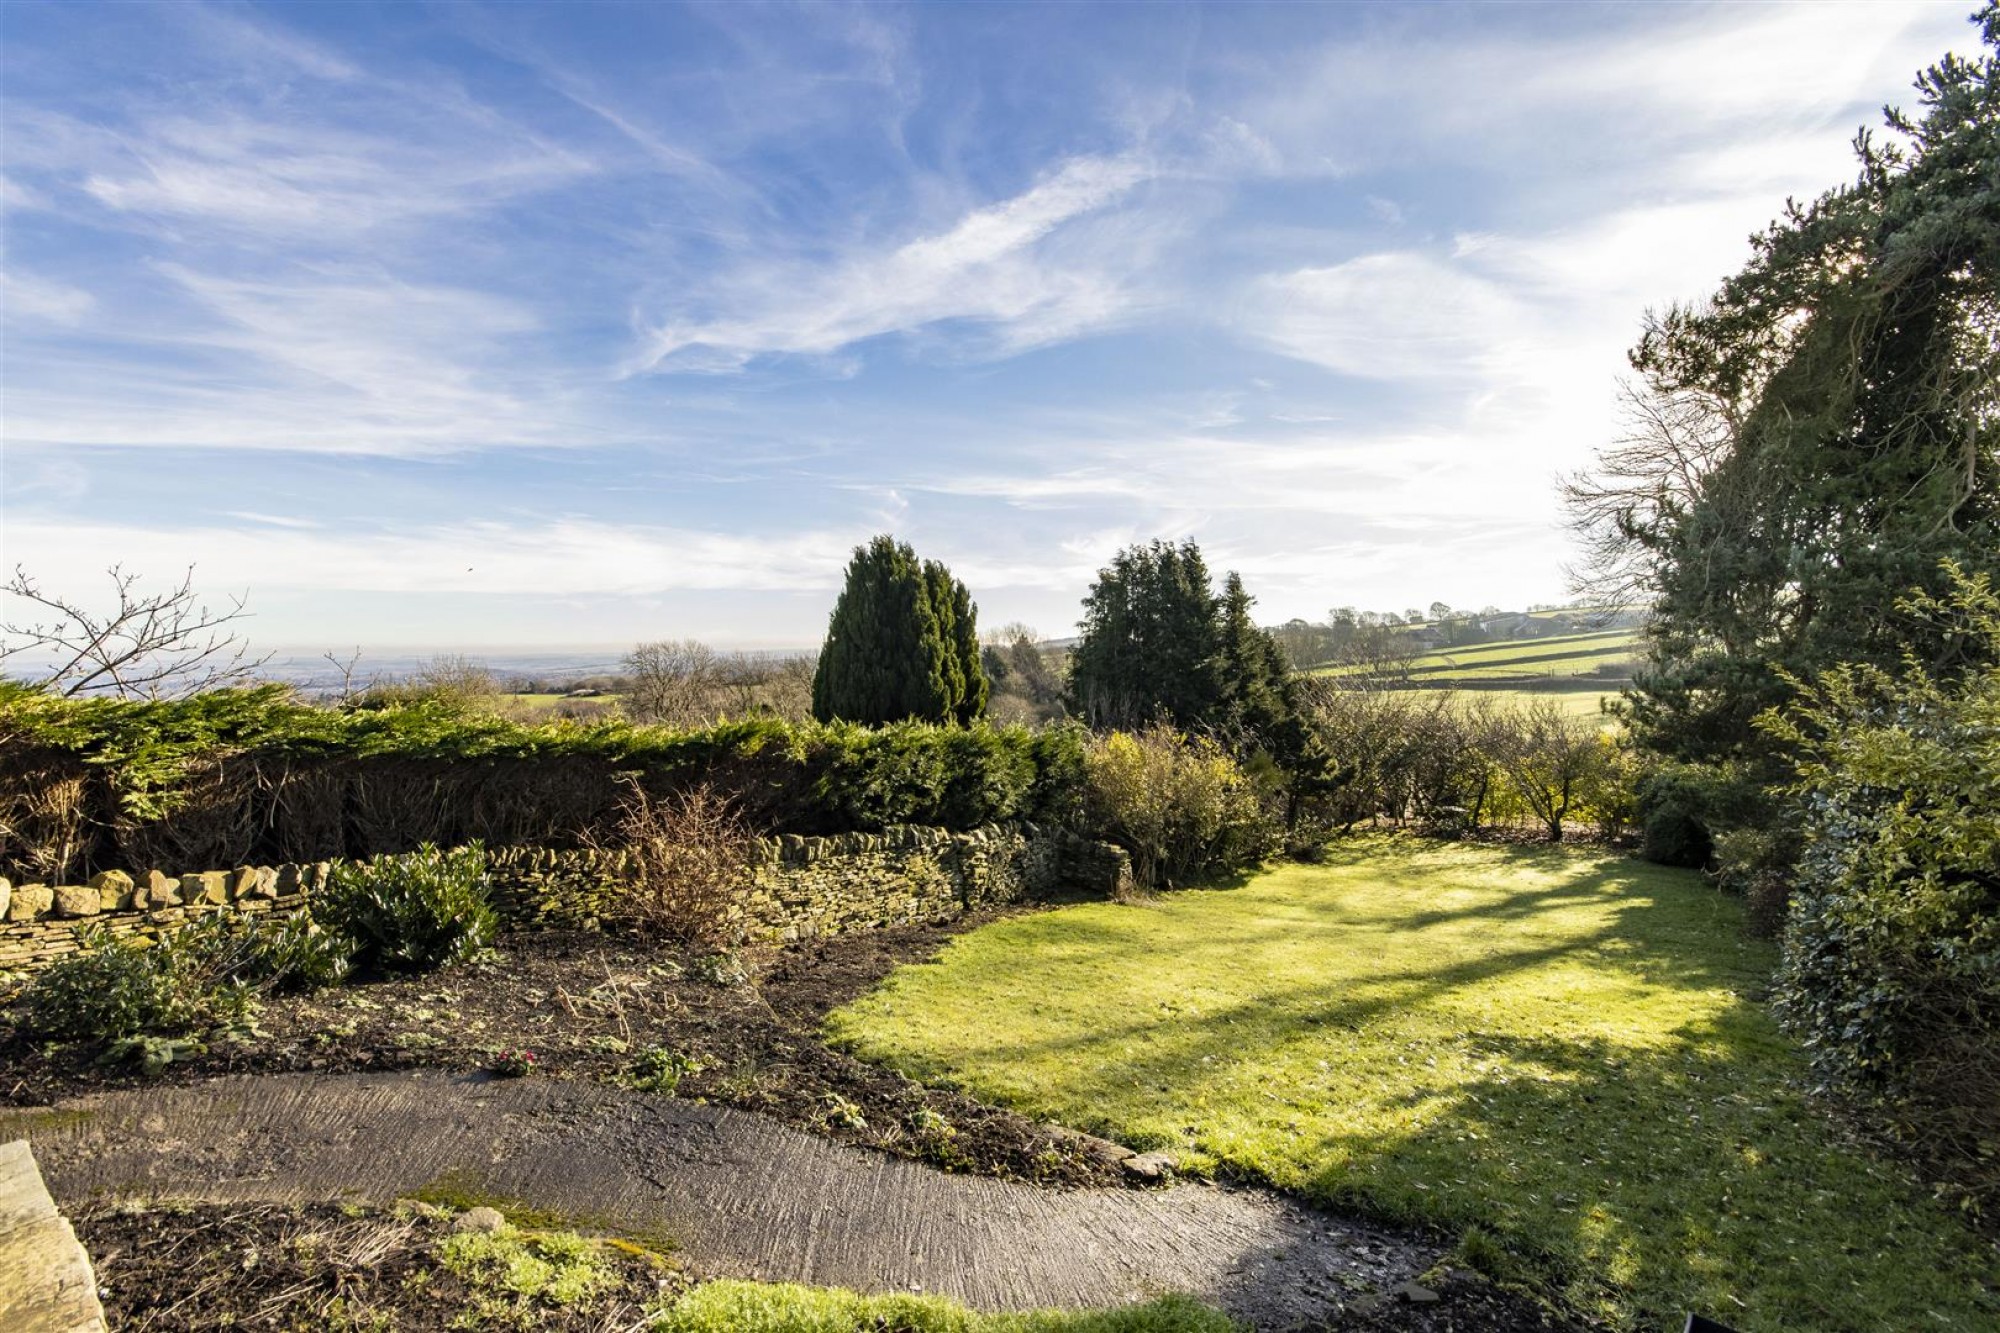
{"type": "Point", "coordinates": [1565, 1053]}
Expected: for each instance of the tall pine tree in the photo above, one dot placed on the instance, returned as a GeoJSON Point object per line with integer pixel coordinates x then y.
{"type": "Point", "coordinates": [901, 644]}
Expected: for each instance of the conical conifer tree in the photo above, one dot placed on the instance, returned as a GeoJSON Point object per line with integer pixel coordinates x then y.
{"type": "Point", "coordinates": [897, 643]}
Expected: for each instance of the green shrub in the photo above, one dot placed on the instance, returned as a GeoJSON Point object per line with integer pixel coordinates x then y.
{"type": "Point", "coordinates": [1891, 969]}
{"type": "Point", "coordinates": [419, 910]}
{"type": "Point", "coordinates": [114, 989]}
{"type": "Point", "coordinates": [1673, 805]}
{"type": "Point", "coordinates": [298, 953]}
{"type": "Point", "coordinates": [249, 777]}
{"type": "Point", "coordinates": [202, 973]}
{"type": "Point", "coordinates": [1758, 865]}
{"type": "Point", "coordinates": [1180, 806]}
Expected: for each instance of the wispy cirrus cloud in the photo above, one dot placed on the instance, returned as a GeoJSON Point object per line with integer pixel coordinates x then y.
{"type": "Point", "coordinates": [557, 557]}
{"type": "Point", "coordinates": [1337, 291]}
{"type": "Point", "coordinates": [999, 268]}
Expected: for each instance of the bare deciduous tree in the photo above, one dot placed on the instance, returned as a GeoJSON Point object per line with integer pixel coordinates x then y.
{"type": "Point", "coordinates": [455, 676]}
{"type": "Point", "coordinates": [673, 681]}
{"type": "Point", "coordinates": [1642, 481]}
{"type": "Point", "coordinates": [148, 646]}
{"type": "Point", "coordinates": [1550, 758]}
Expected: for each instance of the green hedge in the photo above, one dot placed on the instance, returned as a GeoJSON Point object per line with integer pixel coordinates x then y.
{"type": "Point", "coordinates": [255, 776]}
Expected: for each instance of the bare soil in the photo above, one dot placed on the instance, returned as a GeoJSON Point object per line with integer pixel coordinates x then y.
{"type": "Point", "coordinates": [327, 1266]}
{"type": "Point", "coordinates": [590, 1006]}
{"type": "Point", "coordinates": [386, 1088]}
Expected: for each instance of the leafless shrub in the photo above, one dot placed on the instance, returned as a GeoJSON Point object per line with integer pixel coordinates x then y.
{"type": "Point", "coordinates": [43, 816]}
{"type": "Point", "coordinates": [147, 646]}
{"type": "Point", "coordinates": [689, 857]}
{"type": "Point", "coordinates": [1550, 759]}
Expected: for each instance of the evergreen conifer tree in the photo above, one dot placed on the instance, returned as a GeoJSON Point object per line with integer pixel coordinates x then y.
{"type": "Point", "coordinates": [965, 627]}
{"type": "Point", "coordinates": [902, 643]}
{"type": "Point", "coordinates": [938, 585]}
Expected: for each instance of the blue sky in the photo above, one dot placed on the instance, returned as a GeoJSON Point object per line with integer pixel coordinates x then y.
{"type": "Point", "coordinates": [482, 325]}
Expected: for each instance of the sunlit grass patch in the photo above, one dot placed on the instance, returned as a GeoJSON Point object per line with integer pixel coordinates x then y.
{"type": "Point", "coordinates": [1564, 1049]}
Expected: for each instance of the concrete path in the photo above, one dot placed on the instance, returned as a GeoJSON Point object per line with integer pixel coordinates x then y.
{"type": "Point", "coordinates": [740, 1195]}
{"type": "Point", "coordinates": [46, 1285]}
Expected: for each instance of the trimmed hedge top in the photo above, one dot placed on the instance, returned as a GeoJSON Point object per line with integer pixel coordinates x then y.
{"type": "Point", "coordinates": [255, 775]}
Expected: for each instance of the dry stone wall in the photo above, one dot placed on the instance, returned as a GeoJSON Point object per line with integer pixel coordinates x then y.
{"type": "Point", "coordinates": [801, 887]}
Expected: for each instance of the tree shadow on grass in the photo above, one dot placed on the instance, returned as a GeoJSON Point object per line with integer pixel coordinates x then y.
{"type": "Point", "coordinates": [1646, 1169]}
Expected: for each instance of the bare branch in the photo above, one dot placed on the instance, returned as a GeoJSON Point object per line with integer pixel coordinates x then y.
{"type": "Point", "coordinates": [151, 645]}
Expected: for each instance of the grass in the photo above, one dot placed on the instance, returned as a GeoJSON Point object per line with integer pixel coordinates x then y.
{"type": "Point", "coordinates": [1563, 1054]}
{"type": "Point", "coordinates": [1559, 657]}
{"type": "Point", "coordinates": [723, 1307]}
{"type": "Point", "coordinates": [1576, 703]}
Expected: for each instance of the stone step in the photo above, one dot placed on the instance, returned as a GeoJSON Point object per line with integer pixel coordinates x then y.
{"type": "Point", "coordinates": [46, 1285]}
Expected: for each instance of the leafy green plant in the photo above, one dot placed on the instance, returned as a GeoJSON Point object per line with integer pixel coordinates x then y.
{"type": "Point", "coordinates": [840, 1113]}
{"type": "Point", "coordinates": [1180, 805]}
{"type": "Point", "coordinates": [719, 969]}
{"type": "Point", "coordinates": [1892, 953]}
{"type": "Point", "coordinates": [152, 1054]}
{"type": "Point", "coordinates": [298, 953]}
{"type": "Point", "coordinates": [660, 1069]}
{"type": "Point", "coordinates": [204, 973]}
{"type": "Point", "coordinates": [112, 990]}
{"type": "Point", "coordinates": [422, 909]}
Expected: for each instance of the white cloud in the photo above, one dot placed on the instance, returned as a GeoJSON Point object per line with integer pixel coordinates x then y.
{"type": "Point", "coordinates": [281, 178]}
{"type": "Point", "coordinates": [26, 298]}
{"type": "Point", "coordinates": [1398, 315]}
{"type": "Point", "coordinates": [343, 360]}
{"type": "Point", "coordinates": [560, 557]}
{"type": "Point", "coordinates": [988, 268]}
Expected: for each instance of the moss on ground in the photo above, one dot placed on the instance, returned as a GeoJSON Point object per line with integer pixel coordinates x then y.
{"type": "Point", "coordinates": [725, 1307]}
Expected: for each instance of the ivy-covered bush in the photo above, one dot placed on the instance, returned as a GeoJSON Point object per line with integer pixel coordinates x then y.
{"type": "Point", "coordinates": [237, 777]}
{"type": "Point", "coordinates": [1179, 805]}
{"type": "Point", "coordinates": [1891, 970]}
{"type": "Point", "coordinates": [407, 913]}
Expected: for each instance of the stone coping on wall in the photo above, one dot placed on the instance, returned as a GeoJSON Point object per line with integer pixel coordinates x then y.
{"type": "Point", "coordinates": [801, 885]}
{"type": "Point", "coordinates": [46, 1282]}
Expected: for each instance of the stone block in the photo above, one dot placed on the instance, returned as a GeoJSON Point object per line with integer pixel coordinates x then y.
{"type": "Point", "coordinates": [115, 890]}
{"type": "Point", "coordinates": [289, 880]}
{"type": "Point", "coordinates": [74, 900]}
{"type": "Point", "coordinates": [6, 895]}
{"type": "Point", "coordinates": [160, 890]}
{"type": "Point", "coordinates": [30, 901]}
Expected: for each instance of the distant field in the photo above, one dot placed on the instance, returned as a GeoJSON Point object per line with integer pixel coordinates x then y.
{"type": "Point", "coordinates": [1587, 659]}
{"type": "Point", "coordinates": [1576, 703]}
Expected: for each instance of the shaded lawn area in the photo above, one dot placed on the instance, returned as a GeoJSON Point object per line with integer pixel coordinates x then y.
{"type": "Point", "coordinates": [1564, 1051]}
